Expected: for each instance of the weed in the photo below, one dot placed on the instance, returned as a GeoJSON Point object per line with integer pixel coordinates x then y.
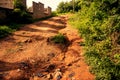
{"type": "Point", "coordinates": [4, 31]}
{"type": "Point", "coordinates": [59, 38]}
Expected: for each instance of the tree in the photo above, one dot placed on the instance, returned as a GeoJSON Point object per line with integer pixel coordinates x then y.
{"type": "Point", "coordinates": [64, 7]}
{"type": "Point", "coordinates": [18, 4]}
{"type": "Point", "coordinates": [20, 14]}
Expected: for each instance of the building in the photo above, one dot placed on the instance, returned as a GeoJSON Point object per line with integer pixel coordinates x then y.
{"type": "Point", "coordinates": [7, 4]}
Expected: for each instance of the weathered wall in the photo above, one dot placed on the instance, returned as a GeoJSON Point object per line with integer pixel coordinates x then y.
{"type": "Point", "coordinates": [38, 10]}
{"type": "Point", "coordinates": [49, 10]}
{"type": "Point", "coordinates": [4, 14]}
{"type": "Point", "coordinates": [6, 4]}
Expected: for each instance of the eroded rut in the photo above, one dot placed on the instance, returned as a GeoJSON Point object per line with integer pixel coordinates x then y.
{"type": "Point", "coordinates": [28, 55]}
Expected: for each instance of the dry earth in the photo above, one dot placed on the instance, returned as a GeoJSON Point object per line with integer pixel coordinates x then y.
{"type": "Point", "coordinates": [28, 54]}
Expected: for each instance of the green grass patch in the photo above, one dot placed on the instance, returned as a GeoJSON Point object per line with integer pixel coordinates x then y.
{"type": "Point", "coordinates": [8, 29]}
{"type": "Point", "coordinates": [102, 67]}
{"type": "Point", "coordinates": [4, 31]}
{"type": "Point", "coordinates": [59, 38]}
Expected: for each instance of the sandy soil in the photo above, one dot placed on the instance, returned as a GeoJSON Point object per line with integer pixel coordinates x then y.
{"type": "Point", "coordinates": [28, 54]}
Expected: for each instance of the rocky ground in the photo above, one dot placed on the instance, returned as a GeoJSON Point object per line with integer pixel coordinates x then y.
{"type": "Point", "coordinates": [28, 54]}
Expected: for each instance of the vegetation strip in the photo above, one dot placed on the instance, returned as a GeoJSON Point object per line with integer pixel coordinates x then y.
{"type": "Point", "coordinates": [98, 23]}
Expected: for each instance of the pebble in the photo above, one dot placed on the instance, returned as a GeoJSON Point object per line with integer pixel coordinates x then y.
{"type": "Point", "coordinates": [39, 75]}
{"type": "Point", "coordinates": [71, 74]}
{"type": "Point", "coordinates": [49, 76]}
{"type": "Point", "coordinates": [57, 74]}
{"type": "Point", "coordinates": [18, 70]}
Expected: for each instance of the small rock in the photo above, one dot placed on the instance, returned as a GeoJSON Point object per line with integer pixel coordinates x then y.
{"type": "Point", "coordinates": [50, 68]}
{"type": "Point", "coordinates": [71, 74]}
{"type": "Point", "coordinates": [49, 76]}
{"type": "Point", "coordinates": [57, 74]}
{"type": "Point", "coordinates": [48, 40]}
{"type": "Point", "coordinates": [69, 64]}
{"type": "Point", "coordinates": [39, 75]}
{"type": "Point", "coordinates": [32, 61]}
{"type": "Point", "coordinates": [24, 33]}
{"type": "Point", "coordinates": [20, 49]}
{"type": "Point", "coordinates": [51, 55]}
{"type": "Point", "coordinates": [18, 70]}
{"type": "Point", "coordinates": [28, 41]}
{"type": "Point", "coordinates": [24, 65]}
{"type": "Point", "coordinates": [73, 78]}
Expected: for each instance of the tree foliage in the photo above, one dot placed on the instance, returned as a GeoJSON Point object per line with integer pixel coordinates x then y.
{"type": "Point", "coordinates": [18, 4]}
{"type": "Point", "coordinates": [20, 14]}
{"type": "Point", "coordinates": [64, 7]}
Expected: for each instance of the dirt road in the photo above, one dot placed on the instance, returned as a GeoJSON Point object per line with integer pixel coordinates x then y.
{"type": "Point", "coordinates": [28, 55]}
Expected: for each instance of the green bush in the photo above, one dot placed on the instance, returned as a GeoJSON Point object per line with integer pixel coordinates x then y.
{"type": "Point", "coordinates": [20, 14]}
{"type": "Point", "coordinates": [4, 31]}
{"type": "Point", "coordinates": [14, 26]}
{"type": "Point", "coordinates": [59, 38]}
{"type": "Point", "coordinates": [98, 23]}
{"type": "Point", "coordinates": [65, 7]}
{"type": "Point", "coordinates": [54, 13]}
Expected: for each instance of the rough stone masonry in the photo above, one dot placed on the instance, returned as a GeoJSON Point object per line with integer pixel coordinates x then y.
{"type": "Point", "coordinates": [37, 10]}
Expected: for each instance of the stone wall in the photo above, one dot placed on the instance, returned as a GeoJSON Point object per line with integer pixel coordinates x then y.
{"type": "Point", "coordinates": [49, 11]}
{"type": "Point", "coordinates": [4, 14]}
{"type": "Point", "coordinates": [7, 4]}
{"type": "Point", "coordinates": [39, 11]}
{"type": "Point", "coordinates": [6, 8]}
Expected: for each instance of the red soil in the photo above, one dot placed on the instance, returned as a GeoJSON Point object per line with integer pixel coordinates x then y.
{"type": "Point", "coordinates": [27, 54]}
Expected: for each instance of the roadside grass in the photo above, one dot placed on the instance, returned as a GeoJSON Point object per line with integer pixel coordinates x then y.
{"type": "Point", "coordinates": [8, 29]}
{"type": "Point", "coordinates": [4, 31]}
{"type": "Point", "coordinates": [100, 52]}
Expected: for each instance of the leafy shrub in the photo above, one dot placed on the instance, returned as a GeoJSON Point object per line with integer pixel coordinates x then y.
{"type": "Point", "coordinates": [54, 13]}
{"type": "Point", "coordinates": [98, 23]}
{"type": "Point", "coordinates": [4, 31]}
{"type": "Point", "coordinates": [14, 26]}
{"type": "Point", "coordinates": [19, 14]}
{"type": "Point", "coordinates": [8, 29]}
{"type": "Point", "coordinates": [59, 38]}
{"type": "Point", "coordinates": [64, 7]}
{"type": "Point", "coordinates": [102, 67]}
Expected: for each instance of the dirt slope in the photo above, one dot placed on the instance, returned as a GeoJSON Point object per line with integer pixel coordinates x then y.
{"type": "Point", "coordinates": [28, 55]}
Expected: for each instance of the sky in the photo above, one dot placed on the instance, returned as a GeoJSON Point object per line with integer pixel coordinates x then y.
{"type": "Point", "coordinates": [52, 3]}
